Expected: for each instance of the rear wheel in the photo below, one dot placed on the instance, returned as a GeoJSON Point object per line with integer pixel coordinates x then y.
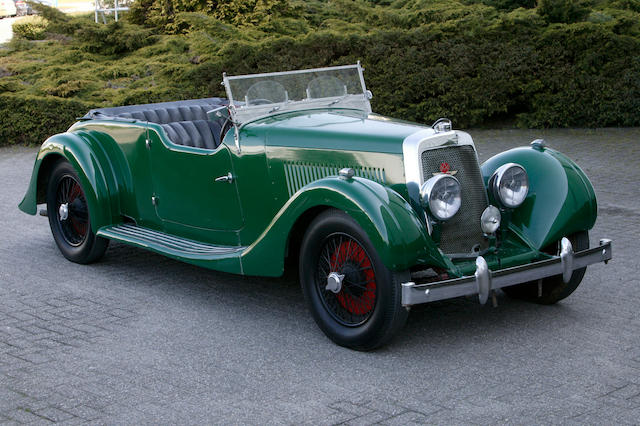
{"type": "Point", "coordinates": [554, 288]}
{"type": "Point", "coordinates": [69, 217]}
{"type": "Point", "coordinates": [353, 297]}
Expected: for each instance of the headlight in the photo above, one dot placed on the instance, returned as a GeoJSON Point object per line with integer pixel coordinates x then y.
{"type": "Point", "coordinates": [510, 185]}
{"type": "Point", "coordinates": [442, 195]}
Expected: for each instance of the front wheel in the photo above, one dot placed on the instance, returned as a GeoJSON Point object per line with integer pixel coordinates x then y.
{"type": "Point", "coordinates": [68, 214]}
{"type": "Point", "coordinates": [353, 297]}
{"type": "Point", "coordinates": [554, 288]}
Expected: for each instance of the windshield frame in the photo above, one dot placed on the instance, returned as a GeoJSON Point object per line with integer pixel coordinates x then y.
{"type": "Point", "coordinates": [242, 114]}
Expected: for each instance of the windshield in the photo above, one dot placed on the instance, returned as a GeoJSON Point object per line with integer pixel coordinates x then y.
{"type": "Point", "coordinates": [258, 95]}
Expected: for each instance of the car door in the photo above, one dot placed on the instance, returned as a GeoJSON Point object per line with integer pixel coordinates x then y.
{"type": "Point", "coordinates": [195, 190]}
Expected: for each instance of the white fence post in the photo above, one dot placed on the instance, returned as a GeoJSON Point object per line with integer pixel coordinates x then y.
{"type": "Point", "coordinates": [117, 8]}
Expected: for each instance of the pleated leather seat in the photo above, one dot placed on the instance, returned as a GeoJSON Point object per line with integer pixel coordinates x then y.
{"type": "Point", "coordinates": [184, 122]}
{"type": "Point", "coordinates": [197, 133]}
{"type": "Point", "coordinates": [170, 115]}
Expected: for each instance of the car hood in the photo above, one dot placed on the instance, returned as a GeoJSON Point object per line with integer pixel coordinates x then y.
{"type": "Point", "coordinates": [336, 130]}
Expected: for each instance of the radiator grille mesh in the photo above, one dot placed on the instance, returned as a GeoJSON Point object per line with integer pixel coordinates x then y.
{"type": "Point", "coordinates": [463, 231]}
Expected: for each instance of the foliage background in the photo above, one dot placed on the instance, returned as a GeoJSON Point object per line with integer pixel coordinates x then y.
{"type": "Point", "coordinates": [527, 63]}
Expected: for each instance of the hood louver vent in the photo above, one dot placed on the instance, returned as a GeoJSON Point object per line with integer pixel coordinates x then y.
{"type": "Point", "coordinates": [299, 174]}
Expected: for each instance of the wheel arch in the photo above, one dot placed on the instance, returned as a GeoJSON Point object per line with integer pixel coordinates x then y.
{"type": "Point", "coordinates": [297, 231]}
{"type": "Point", "coordinates": [80, 153]}
{"type": "Point", "coordinates": [44, 173]}
{"type": "Point", "coordinates": [561, 199]}
{"type": "Point", "coordinates": [399, 237]}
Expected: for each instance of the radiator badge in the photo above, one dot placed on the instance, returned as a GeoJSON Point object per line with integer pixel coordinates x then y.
{"type": "Point", "coordinates": [445, 169]}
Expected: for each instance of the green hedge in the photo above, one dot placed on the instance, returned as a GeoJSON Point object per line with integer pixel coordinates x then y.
{"type": "Point", "coordinates": [30, 28]}
{"type": "Point", "coordinates": [569, 76]}
{"type": "Point", "coordinates": [554, 63]}
{"type": "Point", "coordinates": [30, 119]}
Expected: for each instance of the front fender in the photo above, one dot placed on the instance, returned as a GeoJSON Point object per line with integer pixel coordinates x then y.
{"type": "Point", "coordinates": [561, 199]}
{"type": "Point", "coordinates": [85, 160]}
{"type": "Point", "coordinates": [399, 237]}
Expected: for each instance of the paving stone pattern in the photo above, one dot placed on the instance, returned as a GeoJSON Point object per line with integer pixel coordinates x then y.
{"type": "Point", "coordinates": [141, 339]}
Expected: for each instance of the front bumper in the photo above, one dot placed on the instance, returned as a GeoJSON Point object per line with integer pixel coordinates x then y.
{"type": "Point", "coordinates": [485, 280]}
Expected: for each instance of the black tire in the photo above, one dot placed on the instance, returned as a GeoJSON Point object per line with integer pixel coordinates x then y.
{"type": "Point", "coordinates": [367, 311]}
{"type": "Point", "coordinates": [72, 234]}
{"type": "Point", "coordinates": [554, 288]}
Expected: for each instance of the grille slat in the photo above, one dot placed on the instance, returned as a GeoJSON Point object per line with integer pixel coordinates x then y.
{"type": "Point", "coordinates": [462, 232]}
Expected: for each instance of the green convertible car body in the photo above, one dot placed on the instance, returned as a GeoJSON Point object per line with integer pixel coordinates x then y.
{"type": "Point", "coordinates": [379, 214]}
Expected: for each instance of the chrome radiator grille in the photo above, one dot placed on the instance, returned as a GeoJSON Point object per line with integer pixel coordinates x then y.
{"type": "Point", "coordinates": [462, 232]}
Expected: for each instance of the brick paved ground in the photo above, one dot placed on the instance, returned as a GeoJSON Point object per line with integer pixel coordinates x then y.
{"type": "Point", "coordinates": [137, 338]}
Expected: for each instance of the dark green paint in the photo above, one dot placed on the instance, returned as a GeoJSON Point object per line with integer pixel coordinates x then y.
{"type": "Point", "coordinates": [86, 158]}
{"type": "Point", "coordinates": [398, 235]}
{"type": "Point", "coordinates": [336, 130]}
{"type": "Point", "coordinates": [189, 200]}
{"type": "Point", "coordinates": [561, 199]}
{"type": "Point", "coordinates": [286, 167]}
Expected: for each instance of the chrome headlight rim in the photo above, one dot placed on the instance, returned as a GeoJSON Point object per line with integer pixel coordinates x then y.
{"type": "Point", "coordinates": [497, 180]}
{"type": "Point", "coordinates": [428, 201]}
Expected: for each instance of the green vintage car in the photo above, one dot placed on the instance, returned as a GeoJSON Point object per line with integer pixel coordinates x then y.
{"type": "Point", "coordinates": [294, 169]}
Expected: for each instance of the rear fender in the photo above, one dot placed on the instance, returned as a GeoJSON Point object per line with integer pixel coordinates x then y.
{"type": "Point", "coordinates": [85, 158]}
{"type": "Point", "coordinates": [400, 238]}
{"type": "Point", "coordinates": [561, 199]}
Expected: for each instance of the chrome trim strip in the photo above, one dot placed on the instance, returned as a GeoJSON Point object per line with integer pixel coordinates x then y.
{"type": "Point", "coordinates": [483, 281]}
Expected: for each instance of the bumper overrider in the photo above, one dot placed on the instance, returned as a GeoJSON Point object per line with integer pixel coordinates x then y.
{"type": "Point", "coordinates": [484, 280]}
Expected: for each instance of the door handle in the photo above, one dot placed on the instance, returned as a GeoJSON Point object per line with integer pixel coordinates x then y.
{"type": "Point", "coordinates": [226, 178]}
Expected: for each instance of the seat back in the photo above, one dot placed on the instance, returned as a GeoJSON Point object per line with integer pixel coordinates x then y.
{"type": "Point", "coordinates": [197, 133]}
{"type": "Point", "coordinates": [184, 122]}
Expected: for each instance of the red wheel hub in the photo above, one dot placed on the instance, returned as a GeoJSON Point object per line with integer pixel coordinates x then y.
{"type": "Point", "coordinates": [358, 292]}
{"type": "Point", "coordinates": [75, 194]}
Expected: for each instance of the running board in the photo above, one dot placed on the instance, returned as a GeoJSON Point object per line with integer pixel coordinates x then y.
{"type": "Point", "coordinates": [169, 245]}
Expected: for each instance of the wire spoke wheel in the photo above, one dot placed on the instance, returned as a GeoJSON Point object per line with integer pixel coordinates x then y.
{"type": "Point", "coordinates": [353, 297]}
{"type": "Point", "coordinates": [72, 211]}
{"type": "Point", "coordinates": [69, 216]}
{"type": "Point", "coordinates": [355, 301]}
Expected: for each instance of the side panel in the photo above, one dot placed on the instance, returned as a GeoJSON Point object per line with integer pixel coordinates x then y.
{"type": "Point", "coordinates": [190, 202]}
{"type": "Point", "coordinates": [126, 157]}
{"type": "Point", "coordinates": [561, 199]}
{"type": "Point", "coordinates": [281, 154]}
{"type": "Point", "coordinates": [396, 232]}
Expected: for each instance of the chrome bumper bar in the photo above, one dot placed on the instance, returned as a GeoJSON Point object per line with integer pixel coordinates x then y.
{"type": "Point", "coordinates": [484, 280]}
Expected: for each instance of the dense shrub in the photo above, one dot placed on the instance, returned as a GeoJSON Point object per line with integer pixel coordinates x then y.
{"type": "Point", "coordinates": [162, 13]}
{"type": "Point", "coordinates": [563, 11]}
{"type": "Point", "coordinates": [507, 4]}
{"type": "Point", "coordinates": [57, 21]}
{"type": "Point", "coordinates": [478, 62]}
{"type": "Point", "coordinates": [30, 28]}
{"type": "Point", "coordinates": [114, 38]}
{"type": "Point", "coordinates": [30, 119]}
